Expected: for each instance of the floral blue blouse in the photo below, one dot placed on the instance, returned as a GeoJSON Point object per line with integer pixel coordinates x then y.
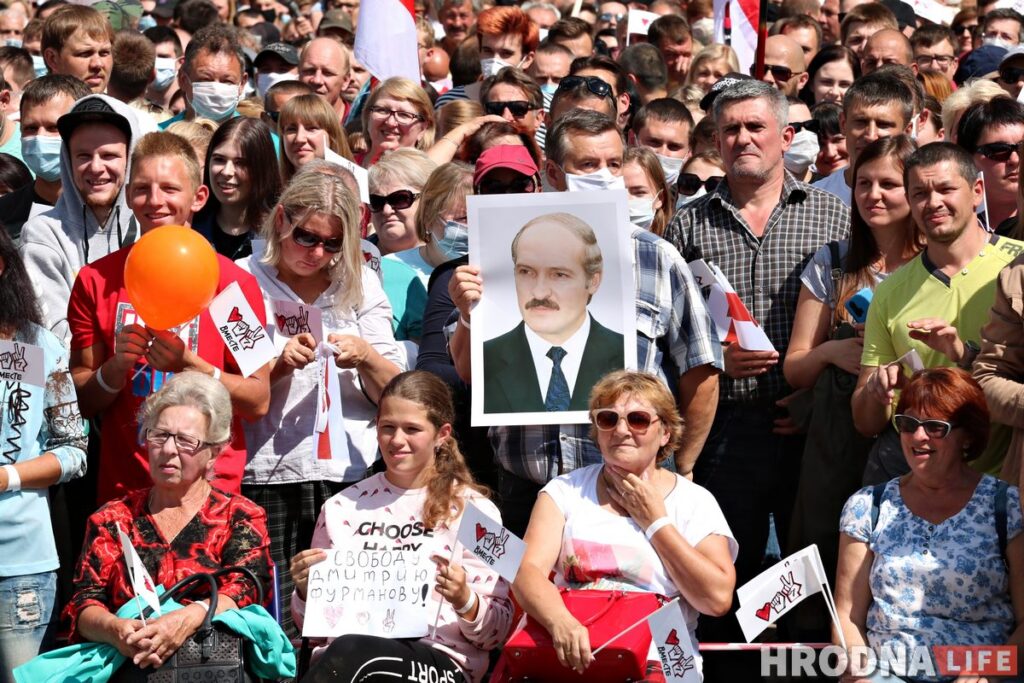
{"type": "Point", "coordinates": [935, 584]}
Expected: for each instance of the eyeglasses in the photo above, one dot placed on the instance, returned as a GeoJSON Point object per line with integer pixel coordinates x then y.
{"type": "Point", "coordinates": [397, 200]}
{"type": "Point", "coordinates": [809, 125]}
{"type": "Point", "coordinates": [406, 118]}
{"type": "Point", "coordinates": [310, 240]}
{"type": "Point", "coordinates": [998, 151]}
{"type": "Point", "coordinates": [936, 429]}
{"type": "Point", "coordinates": [593, 83]}
{"type": "Point", "coordinates": [520, 185]}
{"type": "Point", "coordinates": [690, 183]}
{"type": "Point", "coordinates": [609, 16]}
{"type": "Point", "coordinates": [273, 115]}
{"type": "Point", "coordinates": [959, 29]}
{"type": "Point", "coordinates": [518, 108]}
{"type": "Point", "coordinates": [187, 445]}
{"type": "Point", "coordinates": [1010, 74]}
{"type": "Point", "coordinates": [778, 72]}
{"type": "Point", "coordinates": [638, 421]}
{"type": "Point", "coordinates": [941, 61]}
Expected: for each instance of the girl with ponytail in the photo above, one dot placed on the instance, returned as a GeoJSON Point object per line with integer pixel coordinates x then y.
{"type": "Point", "coordinates": [418, 501]}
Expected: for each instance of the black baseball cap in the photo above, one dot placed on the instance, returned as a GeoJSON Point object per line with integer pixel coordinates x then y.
{"type": "Point", "coordinates": [92, 109]}
{"type": "Point", "coordinates": [283, 50]}
{"type": "Point", "coordinates": [721, 84]}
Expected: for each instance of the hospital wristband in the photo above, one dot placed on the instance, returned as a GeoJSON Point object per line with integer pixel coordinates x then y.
{"type": "Point", "coordinates": [470, 604]}
{"type": "Point", "coordinates": [464, 322]}
{"type": "Point", "coordinates": [656, 526]}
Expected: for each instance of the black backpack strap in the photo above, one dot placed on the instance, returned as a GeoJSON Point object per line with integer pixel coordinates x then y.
{"type": "Point", "coordinates": [1001, 491]}
{"type": "Point", "coordinates": [877, 491]}
{"type": "Point", "coordinates": [835, 261]}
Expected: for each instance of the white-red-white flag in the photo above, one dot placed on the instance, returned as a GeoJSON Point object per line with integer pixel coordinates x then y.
{"type": "Point", "coordinates": [386, 41]}
{"type": "Point", "coordinates": [142, 582]}
{"type": "Point", "coordinates": [743, 28]}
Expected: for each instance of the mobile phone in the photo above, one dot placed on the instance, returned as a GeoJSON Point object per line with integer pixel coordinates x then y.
{"type": "Point", "coordinates": [857, 305]}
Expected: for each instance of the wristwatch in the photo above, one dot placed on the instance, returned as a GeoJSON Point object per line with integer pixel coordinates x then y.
{"type": "Point", "coordinates": [971, 350]}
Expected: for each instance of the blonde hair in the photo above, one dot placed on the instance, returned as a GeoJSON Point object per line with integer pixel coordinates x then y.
{"type": "Point", "coordinates": [198, 132]}
{"type": "Point", "coordinates": [644, 387]}
{"type": "Point", "coordinates": [712, 53]}
{"type": "Point", "coordinates": [457, 112]}
{"type": "Point", "coordinates": [167, 144]}
{"type": "Point", "coordinates": [405, 90]}
{"type": "Point", "coordinates": [311, 193]}
{"type": "Point", "coordinates": [405, 166]}
{"type": "Point", "coordinates": [311, 110]}
{"type": "Point", "coordinates": [447, 186]}
{"type": "Point", "coordinates": [954, 106]}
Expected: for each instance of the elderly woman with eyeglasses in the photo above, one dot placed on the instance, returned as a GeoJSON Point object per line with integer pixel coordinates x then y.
{"type": "Point", "coordinates": [397, 114]}
{"type": "Point", "coordinates": [297, 457]}
{"type": "Point", "coordinates": [934, 557]}
{"type": "Point", "coordinates": [626, 524]}
{"type": "Point", "coordinates": [179, 526]}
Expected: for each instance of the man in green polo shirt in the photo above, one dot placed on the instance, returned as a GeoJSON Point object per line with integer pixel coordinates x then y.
{"type": "Point", "coordinates": [938, 302]}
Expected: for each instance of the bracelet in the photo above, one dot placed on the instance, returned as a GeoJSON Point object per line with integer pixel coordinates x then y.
{"type": "Point", "coordinates": [103, 385]}
{"type": "Point", "coordinates": [470, 604]}
{"type": "Point", "coordinates": [464, 322]}
{"type": "Point", "coordinates": [14, 480]}
{"type": "Point", "coordinates": [444, 138]}
{"type": "Point", "coordinates": [203, 604]}
{"type": "Point", "coordinates": [216, 373]}
{"type": "Point", "coordinates": [656, 526]}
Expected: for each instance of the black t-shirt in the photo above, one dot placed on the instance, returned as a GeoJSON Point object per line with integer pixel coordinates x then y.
{"type": "Point", "coordinates": [15, 208]}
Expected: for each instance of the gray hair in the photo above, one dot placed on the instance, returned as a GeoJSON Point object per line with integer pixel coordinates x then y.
{"type": "Point", "coordinates": [526, 6]}
{"type": "Point", "coordinates": [196, 390]}
{"type": "Point", "coordinates": [441, 4]}
{"type": "Point", "coordinates": [576, 122]}
{"type": "Point", "coordinates": [593, 262]}
{"type": "Point", "coordinates": [752, 90]}
{"type": "Point", "coordinates": [405, 166]}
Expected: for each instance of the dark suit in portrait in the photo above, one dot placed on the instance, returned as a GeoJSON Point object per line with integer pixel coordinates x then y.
{"type": "Point", "coordinates": [510, 379]}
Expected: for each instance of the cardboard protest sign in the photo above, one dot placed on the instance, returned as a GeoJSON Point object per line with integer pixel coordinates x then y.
{"type": "Point", "coordinates": [384, 592]}
{"type": "Point", "coordinates": [495, 545]}
{"type": "Point", "coordinates": [241, 330]}
{"type": "Point", "coordinates": [21, 362]}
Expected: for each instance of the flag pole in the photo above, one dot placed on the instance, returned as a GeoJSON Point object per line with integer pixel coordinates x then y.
{"type": "Point", "coordinates": [762, 37]}
{"type": "Point", "coordinates": [630, 628]}
{"type": "Point", "coordinates": [440, 604]}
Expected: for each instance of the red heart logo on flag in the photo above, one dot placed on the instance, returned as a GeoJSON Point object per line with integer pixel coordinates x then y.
{"type": "Point", "coordinates": [481, 531]}
{"type": "Point", "coordinates": [764, 612]}
{"type": "Point", "coordinates": [646, 21]}
{"type": "Point", "coordinates": [367, 256]}
{"type": "Point", "coordinates": [235, 315]}
{"type": "Point", "coordinates": [280, 322]}
{"type": "Point", "coordinates": [673, 638]}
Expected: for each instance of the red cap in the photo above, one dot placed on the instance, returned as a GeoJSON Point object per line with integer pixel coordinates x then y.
{"type": "Point", "coordinates": [516, 157]}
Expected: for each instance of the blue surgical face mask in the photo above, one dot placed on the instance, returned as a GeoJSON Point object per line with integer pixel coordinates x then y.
{"type": "Point", "coordinates": [455, 242]}
{"type": "Point", "coordinates": [146, 22]}
{"type": "Point", "coordinates": [549, 89]}
{"type": "Point", "coordinates": [13, 42]}
{"type": "Point", "coordinates": [39, 65]}
{"type": "Point", "coordinates": [42, 155]}
{"type": "Point", "coordinates": [166, 70]}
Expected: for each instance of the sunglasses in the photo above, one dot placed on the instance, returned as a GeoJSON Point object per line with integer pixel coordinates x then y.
{"type": "Point", "coordinates": [778, 72]}
{"type": "Point", "coordinates": [593, 83]}
{"type": "Point", "coordinates": [518, 108]}
{"type": "Point", "coordinates": [937, 429]}
{"type": "Point", "coordinates": [310, 240]}
{"type": "Point", "coordinates": [398, 200]}
{"type": "Point", "coordinates": [690, 183]}
{"type": "Point", "coordinates": [274, 116]}
{"type": "Point", "coordinates": [638, 421]}
{"type": "Point", "coordinates": [518, 186]}
{"type": "Point", "coordinates": [959, 29]}
{"type": "Point", "coordinates": [608, 16]}
{"type": "Point", "coordinates": [809, 125]}
{"type": "Point", "coordinates": [1009, 74]}
{"type": "Point", "coordinates": [998, 151]}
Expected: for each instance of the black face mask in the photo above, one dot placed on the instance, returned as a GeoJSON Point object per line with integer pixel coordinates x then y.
{"type": "Point", "coordinates": [269, 15]}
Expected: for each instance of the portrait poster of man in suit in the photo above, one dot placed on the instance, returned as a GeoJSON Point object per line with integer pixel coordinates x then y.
{"type": "Point", "coordinates": [565, 338]}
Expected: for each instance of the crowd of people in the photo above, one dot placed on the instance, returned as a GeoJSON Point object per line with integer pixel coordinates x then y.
{"type": "Point", "coordinates": [862, 196]}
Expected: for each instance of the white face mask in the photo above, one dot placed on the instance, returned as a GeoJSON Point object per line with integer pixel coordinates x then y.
{"type": "Point", "coordinates": [166, 70]}
{"type": "Point", "coordinates": [641, 212]}
{"type": "Point", "coordinates": [265, 81]}
{"type": "Point", "coordinates": [801, 153]}
{"type": "Point", "coordinates": [599, 180]}
{"type": "Point", "coordinates": [671, 167]}
{"type": "Point", "coordinates": [214, 100]}
{"type": "Point", "coordinates": [998, 42]}
{"type": "Point", "coordinates": [682, 200]}
{"type": "Point", "coordinates": [491, 67]}
{"type": "Point", "coordinates": [39, 66]}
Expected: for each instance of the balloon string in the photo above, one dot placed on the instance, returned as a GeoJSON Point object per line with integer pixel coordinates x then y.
{"type": "Point", "coordinates": [145, 364]}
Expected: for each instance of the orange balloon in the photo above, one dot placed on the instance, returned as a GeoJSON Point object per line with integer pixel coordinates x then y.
{"type": "Point", "coordinates": [171, 276]}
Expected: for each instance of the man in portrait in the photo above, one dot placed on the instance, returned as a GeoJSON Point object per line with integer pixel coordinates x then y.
{"type": "Point", "coordinates": [551, 359]}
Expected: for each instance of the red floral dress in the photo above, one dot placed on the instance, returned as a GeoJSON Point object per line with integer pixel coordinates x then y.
{"type": "Point", "coordinates": [228, 530]}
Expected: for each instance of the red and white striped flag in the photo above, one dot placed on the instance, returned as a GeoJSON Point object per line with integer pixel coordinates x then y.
{"type": "Point", "coordinates": [386, 39]}
{"type": "Point", "coordinates": [742, 16]}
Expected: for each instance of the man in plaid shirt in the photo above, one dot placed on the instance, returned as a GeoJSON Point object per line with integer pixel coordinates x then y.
{"type": "Point", "coordinates": [674, 334]}
{"type": "Point", "coordinates": [761, 227]}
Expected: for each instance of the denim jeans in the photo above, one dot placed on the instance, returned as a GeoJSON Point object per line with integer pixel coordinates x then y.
{"type": "Point", "coordinates": [27, 618]}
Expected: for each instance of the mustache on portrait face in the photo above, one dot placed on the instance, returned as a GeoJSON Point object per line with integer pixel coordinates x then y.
{"type": "Point", "coordinates": [542, 303]}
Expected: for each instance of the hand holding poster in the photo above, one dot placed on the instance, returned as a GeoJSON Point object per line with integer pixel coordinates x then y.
{"type": "Point", "coordinates": [383, 592]}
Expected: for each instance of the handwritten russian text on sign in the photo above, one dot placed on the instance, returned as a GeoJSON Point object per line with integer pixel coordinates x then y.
{"type": "Point", "coordinates": [20, 362]}
{"type": "Point", "coordinates": [241, 330]}
{"type": "Point", "coordinates": [495, 545]}
{"type": "Point", "coordinates": [384, 593]}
